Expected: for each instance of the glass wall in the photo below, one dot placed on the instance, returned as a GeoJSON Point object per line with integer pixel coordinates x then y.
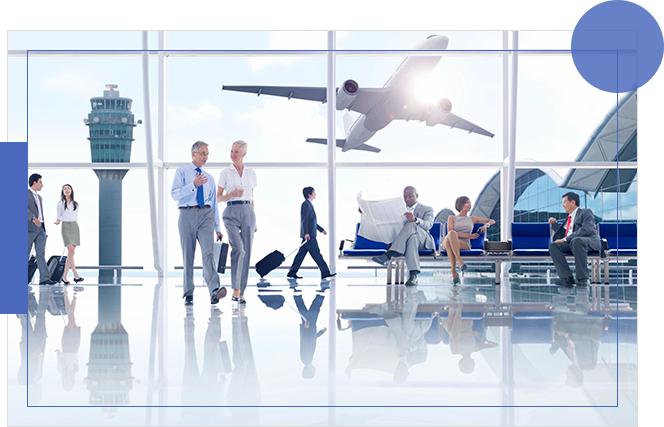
{"type": "Point", "coordinates": [557, 112]}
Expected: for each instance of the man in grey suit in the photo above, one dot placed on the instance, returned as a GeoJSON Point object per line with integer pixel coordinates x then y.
{"type": "Point", "coordinates": [578, 235]}
{"type": "Point", "coordinates": [413, 237]}
{"type": "Point", "coordinates": [36, 228]}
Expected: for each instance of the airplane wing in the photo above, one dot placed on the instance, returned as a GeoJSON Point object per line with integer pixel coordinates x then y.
{"type": "Point", "coordinates": [298, 92]}
{"type": "Point", "coordinates": [456, 122]}
{"type": "Point", "coordinates": [419, 111]}
{"type": "Point", "coordinates": [365, 99]}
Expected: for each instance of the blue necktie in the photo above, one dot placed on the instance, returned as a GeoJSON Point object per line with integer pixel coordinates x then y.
{"type": "Point", "coordinates": [200, 198]}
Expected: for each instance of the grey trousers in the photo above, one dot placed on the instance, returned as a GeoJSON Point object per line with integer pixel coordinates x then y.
{"type": "Point", "coordinates": [38, 238]}
{"type": "Point", "coordinates": [579, 248]}
{"type": "Point", "coordinates": [240, 223]}
{"type": "Point", "coordinates": [408, 244]}
{"type": "Point", "coordinates": [197, 224]}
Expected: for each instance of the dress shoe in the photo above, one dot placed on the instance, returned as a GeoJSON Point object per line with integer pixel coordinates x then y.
{"type": "Point", "coordinates": [567, 283]}
{"type": "Point", "coordinates": [220, 293]}
{"type": "Point", "coordinates": [242, 301]}
{"type": "Point", "coordinates": [383, 260]}
{"type": "Point", "coordinates": [48, 282]}
{"type": "Point", "coordinates": [80, 279]}
{"type": "Point", "coordinates": [412, 279]}
{"type": "Point", "coordinates": [189, 300]}
{"type": "Point", "coordinates": [327, 275]}
{"type": "Point", "coordinates": [293, 276]}
{"type": "Point", "coordinates": [583, 282]}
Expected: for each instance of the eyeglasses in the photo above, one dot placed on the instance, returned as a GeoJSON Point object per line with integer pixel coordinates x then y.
{"type": "Point", "coordinates": [202, 154]}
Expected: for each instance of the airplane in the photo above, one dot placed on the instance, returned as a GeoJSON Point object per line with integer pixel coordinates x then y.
{"type": "Point", "coordinates": [378, 107]}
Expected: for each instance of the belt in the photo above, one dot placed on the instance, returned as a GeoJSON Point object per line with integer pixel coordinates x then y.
{"type": "Point", "coordinates": [194, 207]}
{"type": "Point", "coordinates": [238, 202]}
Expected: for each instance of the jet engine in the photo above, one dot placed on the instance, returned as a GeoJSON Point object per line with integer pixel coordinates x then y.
{"type": "Point", "coordinates": [439, 111]}
{"type": "Point", "coordinates": [346, 94]}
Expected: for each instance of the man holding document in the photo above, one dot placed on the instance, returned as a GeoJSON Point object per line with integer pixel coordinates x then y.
{"type": "Point", "coordinates": [412, 231]}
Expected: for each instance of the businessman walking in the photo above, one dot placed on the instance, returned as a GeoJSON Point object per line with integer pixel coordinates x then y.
{"type": "Point", "coordinates": [308, 228]}
{"type": "Point", "coordinates": [37, 229]}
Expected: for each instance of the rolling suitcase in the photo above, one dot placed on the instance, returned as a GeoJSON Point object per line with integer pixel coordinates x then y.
{"type": "Point", "coordinates": [273, 260]}
{"type": "Point", "coordinates": [56, 267]}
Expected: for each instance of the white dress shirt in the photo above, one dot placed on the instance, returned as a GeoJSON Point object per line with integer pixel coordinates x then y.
{"type": "Point", "coordinates": [67, 215]}
{"type": "Point", "coordinates": [40, 217]}
{"type": "Point", "coordinates": [230, 179]}
{"type": "Point", "coordinates": [570, 230]}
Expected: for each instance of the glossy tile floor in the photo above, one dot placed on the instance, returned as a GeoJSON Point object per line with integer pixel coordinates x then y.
{"type": "Point", "coordinates": [351, 351]}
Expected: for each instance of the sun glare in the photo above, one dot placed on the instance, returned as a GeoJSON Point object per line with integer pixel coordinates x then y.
{"type": "Point", "coordinates": [429, 89]}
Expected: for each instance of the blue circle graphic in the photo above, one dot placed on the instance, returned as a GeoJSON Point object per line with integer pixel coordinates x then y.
{"type": "Point", "coordinates": [607, 59]}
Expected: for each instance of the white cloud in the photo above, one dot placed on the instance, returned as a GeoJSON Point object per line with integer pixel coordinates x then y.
{"type": "Point", "coordinates": [74, 82]}
{"type": "Point", "coordinates": [181, 116]}
{"type": "Point", "coordinates": [293, 40]}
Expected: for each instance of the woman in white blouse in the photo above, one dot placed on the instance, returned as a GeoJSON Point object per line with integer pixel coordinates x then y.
{"type": "Point", "coordinates": [68, 215]}
{"type": "Point", "coordinates": [236, 187]}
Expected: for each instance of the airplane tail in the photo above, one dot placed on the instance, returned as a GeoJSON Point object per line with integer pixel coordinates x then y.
{"type": "Point", "coordinates": [341, 142]}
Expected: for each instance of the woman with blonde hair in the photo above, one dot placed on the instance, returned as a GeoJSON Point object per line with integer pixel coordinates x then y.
{"type": "Point", "coordinates": [236, 187]}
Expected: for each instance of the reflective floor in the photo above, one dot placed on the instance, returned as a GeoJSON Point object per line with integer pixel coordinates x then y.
{"type": "Point", "coordinates": [351, 351]}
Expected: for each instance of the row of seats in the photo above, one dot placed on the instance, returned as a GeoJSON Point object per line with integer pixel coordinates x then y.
{"type": "Point", "coordinates": [528, 239]}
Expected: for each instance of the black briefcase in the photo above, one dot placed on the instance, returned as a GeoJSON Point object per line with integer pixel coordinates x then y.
{"type": "Point", "coordinates": [32, 268]}
{"type": "Point", "coordinates": [220, 256]}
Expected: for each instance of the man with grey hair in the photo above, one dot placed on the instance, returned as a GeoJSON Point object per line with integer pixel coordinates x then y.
{"type": "Point", "coordinates": [413, 237]}
{"type": "Point", "coordinates": [196, 194]}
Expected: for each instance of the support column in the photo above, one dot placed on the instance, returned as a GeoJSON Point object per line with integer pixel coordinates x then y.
{"type": "Point", "coordinates": [162, 184]}
{"type": "Point", "coordinates": [504, 224]}
{"type": "Point", "coordinates": [331, 148]}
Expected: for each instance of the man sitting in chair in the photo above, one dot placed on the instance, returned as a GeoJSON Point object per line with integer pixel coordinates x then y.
{"type": "Point", "coordinates": [578, 235]}
{"type": "Point", "coordinates": [413, 237]}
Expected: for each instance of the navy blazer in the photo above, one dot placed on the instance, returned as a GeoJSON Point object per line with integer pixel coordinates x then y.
{"type": "Point", "coordinates": [584, 226]}
{"type": "Point", "coordinates": [308, 224]}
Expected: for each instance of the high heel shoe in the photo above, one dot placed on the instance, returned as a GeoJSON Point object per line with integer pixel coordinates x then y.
{"type": "Point", "coordinates": [80, 279]}
{"type": "Point", "coordinates": [463, 267]}
{"type": "Point", "coordinates": [64, 282]}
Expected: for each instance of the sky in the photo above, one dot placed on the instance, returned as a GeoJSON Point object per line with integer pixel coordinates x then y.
{"type": "Point", "coordinates": [557, 111]}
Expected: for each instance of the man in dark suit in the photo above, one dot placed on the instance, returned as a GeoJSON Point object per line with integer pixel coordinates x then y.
{"type": "Point", "coordinates": [578, 235]}
{"type": "Point", "coordinates": [308, 332]}
{"type": "Point", "coordinates": [308, 228]}
{"type": "Point", "coordinates": [36, 228]}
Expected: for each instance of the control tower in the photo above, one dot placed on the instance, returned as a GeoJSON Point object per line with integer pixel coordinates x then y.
{"type": "Point", "coordinates": [111, 124]}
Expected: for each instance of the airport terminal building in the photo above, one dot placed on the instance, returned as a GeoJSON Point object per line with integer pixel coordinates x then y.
{"type": "Point", "coordinates": [538, 192]}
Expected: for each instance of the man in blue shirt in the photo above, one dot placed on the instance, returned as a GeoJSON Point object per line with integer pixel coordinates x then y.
{"type": "Point", "coordinates": [196, 194]}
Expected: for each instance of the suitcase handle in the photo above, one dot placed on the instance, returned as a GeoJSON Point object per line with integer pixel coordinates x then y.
{"type": "Point", "coordinates": [296, 249]}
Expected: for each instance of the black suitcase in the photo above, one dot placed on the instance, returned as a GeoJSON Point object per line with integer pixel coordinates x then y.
{"type": "Point", "coordinates": [272, 261]}
{"type": "Point", "coordinates": [32, 267]}
{"type": "Point", "coordinates": [56, 267]}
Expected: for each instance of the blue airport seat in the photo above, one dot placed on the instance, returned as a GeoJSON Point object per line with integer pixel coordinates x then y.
{"type": "Point", "coordinates": [365, 247]}
{"type": "Point", "coordinates": [531, 238]}
{"type": "Point", "coordinates": [532, 327]}
{"type": "Point", "coordinates": [476, 245]}
{"type": "Point", "coordinates": [621, 237]}
{"type": "Point", "coordinates": [435, 233]}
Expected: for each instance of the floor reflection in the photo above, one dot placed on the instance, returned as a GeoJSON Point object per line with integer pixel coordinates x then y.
{"type": "Point", "coordinates": [384, 345]}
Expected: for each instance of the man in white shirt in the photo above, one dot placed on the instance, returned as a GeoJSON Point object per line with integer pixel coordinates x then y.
{"type": "Point", "coordinates": [37, 229]}
{"type": "Point", "coordinates": [196, 194]}
{"type": "Point", "coordinates": [577, 235]}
